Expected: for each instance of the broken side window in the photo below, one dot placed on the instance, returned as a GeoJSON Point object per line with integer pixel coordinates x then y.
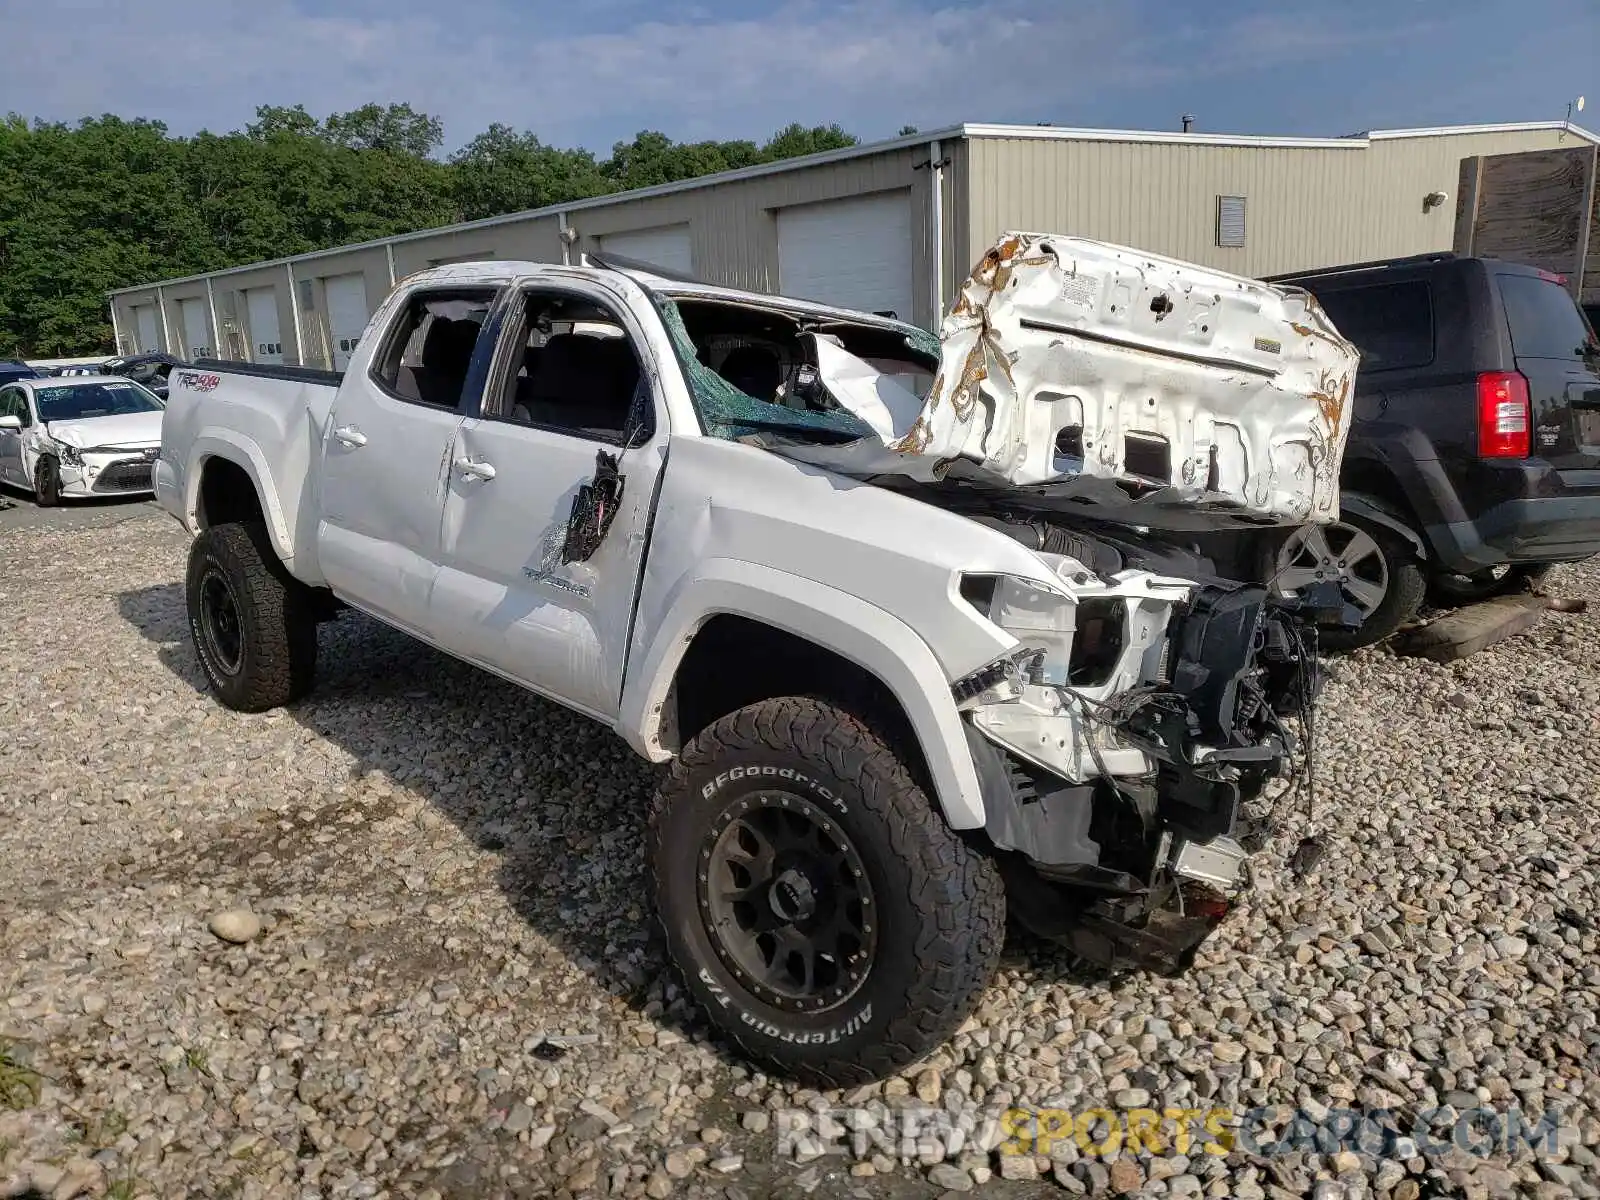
{"type": "Point", "coordinates": [753, 371]}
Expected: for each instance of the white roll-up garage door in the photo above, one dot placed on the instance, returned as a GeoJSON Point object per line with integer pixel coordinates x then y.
{"type": "Point", "coordinates": [196, 328]}
{"type": "Point", "coordinates": [261, 310]}
{"type": "Point", "coordinates": [666, 247]}
{"type": "Point", "coordinates": [855, 253]}
{"type": "Point", "coordinates": [149, 329]}
{"type": "Point", "coordinates": [347, 314]}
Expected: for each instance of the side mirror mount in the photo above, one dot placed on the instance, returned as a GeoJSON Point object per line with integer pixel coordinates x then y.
{"type": "Point", "coordinates": [639, 427]}
{"type": "Point", "coordinates": [11, 423]}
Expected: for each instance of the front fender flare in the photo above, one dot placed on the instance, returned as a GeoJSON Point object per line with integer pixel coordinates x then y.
{"type": "Point", "coordinates": [864, 634]}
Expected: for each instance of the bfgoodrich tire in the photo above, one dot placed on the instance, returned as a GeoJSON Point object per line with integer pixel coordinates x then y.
{"type": "Point", "coordinates": [820, 910]}
{"type": "Point", "coordinates": [253, 625]}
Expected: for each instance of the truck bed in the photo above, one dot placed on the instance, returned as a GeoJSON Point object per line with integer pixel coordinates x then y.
{"type": "Point", "coordinates": [269, 420]}
{"type": "Point", "coordinates": [267, 371]}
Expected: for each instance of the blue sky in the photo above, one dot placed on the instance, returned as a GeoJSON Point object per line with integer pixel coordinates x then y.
{"type": "Point", "coordinates": [592, 71]}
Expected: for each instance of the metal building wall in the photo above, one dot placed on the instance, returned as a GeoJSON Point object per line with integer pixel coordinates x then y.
{"type": "Point", "coordinates": [1305, 206]}
{"type": "Point", "coordinates": [733, 227]}
{"type": "Point", "coordinates": [733, 233]}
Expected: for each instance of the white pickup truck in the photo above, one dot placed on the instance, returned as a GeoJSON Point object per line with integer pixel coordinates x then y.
{"type": "Point", "coordinates": [920, 622]}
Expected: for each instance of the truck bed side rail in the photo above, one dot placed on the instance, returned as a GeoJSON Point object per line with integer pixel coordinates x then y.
{"type": "Point", "coordinates": [267, 371]}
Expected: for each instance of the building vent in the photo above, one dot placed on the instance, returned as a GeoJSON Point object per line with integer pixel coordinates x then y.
{"type": "Point", "coordinates": [1230, 220]}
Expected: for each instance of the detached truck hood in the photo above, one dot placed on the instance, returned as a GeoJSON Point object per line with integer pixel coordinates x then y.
{"type": "Point", "coordinates": [1080, 370]}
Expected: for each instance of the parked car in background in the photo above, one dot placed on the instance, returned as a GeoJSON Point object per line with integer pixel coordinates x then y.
{"type": "Point", "coordinates": [11, 369]}
{"type": "Point", "coordinates": [1473, 462]}
{"type": "Point", "coordinates": [78, 436]}
{"type": "Point", "coordinates": [149, 370]}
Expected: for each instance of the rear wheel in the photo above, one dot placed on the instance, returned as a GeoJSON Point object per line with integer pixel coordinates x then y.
{"type": "Point", "coordinates": [253, 624]}
{"type": "Point", "coordinates": [824, 915]}
{"type": "Point", "coordinates": [47, 482]}
{"type": "Point", "coordinates": [1375, 569]}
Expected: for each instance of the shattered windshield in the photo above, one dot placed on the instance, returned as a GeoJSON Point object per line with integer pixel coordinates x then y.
{"type": "Point", "coordinates": [753, 370]}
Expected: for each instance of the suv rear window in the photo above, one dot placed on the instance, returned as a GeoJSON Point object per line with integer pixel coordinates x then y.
{"type": "Point", "coordinates": [1545, 321]}
{"type": "Point", "coordinates": [1390, 323]}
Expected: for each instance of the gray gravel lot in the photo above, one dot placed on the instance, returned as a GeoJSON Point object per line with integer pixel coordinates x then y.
{"type": "Point", "coordinates": [457, 992]}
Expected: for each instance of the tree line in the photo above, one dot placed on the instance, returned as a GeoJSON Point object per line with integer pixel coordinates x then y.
{"type": "Point", "coordinates": [111, 202]}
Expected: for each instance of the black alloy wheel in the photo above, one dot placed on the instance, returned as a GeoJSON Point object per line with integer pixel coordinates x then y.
{"type": "Point", "coordinates": [219, 622]}
{"type": "Point", "coordinates": [787, 902]}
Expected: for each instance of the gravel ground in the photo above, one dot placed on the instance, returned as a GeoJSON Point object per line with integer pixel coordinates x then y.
{"type": "Point", "coordinates": [455, 989]}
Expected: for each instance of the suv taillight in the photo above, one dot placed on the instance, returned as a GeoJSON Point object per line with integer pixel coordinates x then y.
{"type": "Point", "coordinates": [1504, 415]}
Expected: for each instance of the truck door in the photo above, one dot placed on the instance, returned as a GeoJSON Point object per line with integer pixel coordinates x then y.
{"type": "Point", "coordinates": [569, 405]}
{"type": "Point", "coordinates": [390, 440]}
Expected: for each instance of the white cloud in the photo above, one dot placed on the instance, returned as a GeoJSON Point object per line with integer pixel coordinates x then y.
{"type": "Point", "coordinates": [872, 65]}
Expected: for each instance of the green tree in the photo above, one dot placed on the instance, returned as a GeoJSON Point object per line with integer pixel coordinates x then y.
{"type": "Point", "coordinates": [503, 171]}
{"type": "Point", "coordinates": [108, 202]}
{"type": "Point", "coordinates": [397, 128]}
{"type": "Point", "coordinates": [273, 118]}
{"type": "Point", "coordinates": [653, 158]}
{"type": "Point", "coordinates": [794, 140]}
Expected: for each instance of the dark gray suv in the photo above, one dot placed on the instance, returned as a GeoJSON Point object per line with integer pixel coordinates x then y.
{"type": "Point", "coordinates": [1474, 455]}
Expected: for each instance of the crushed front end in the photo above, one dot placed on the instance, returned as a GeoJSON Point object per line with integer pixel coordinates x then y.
{"type": "Point", "coordinates": [1148, 700]}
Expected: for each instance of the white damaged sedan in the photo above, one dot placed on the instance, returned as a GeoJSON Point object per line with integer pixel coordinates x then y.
{"type": "Point", "coordinates": [72, 437]}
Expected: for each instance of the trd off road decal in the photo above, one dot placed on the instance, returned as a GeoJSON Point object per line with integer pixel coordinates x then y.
{"type": "Point", "coordinates": [198, 381]}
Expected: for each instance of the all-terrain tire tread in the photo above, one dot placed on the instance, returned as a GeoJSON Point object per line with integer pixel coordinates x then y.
{"type": "Point", "coordinates": [275, 612]}
{"type": "Point", "coordinates": [956, 887]}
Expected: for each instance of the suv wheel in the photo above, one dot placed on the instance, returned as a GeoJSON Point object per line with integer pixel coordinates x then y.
{"type": "Point", "coordinates": [1447, 588]}
{"type": "Point", "coordinates": [820, 910]}
{"type": "Point", "coordinates": [1376, 570]}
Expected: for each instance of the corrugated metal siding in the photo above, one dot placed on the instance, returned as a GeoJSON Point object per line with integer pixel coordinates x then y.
{"type": "Point", "coordinates": [732, 227]}
{"type": "Point", "coordinates": [1307, 206]}
{"type": "Point", "coordinates": [536, 240]}
{"type": "Point", "coordinates": [733, 232]}
{"type": "Point", "coordinates": [958, 260]}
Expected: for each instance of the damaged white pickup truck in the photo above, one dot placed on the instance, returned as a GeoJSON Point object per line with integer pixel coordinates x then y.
{"type": "Point", "coordinates": [921, 622]}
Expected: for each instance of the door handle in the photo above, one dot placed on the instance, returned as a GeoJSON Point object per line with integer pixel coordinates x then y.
{"type": "Point", "coordinates": [350, 436]}
{"type": "Point", "coordinates": [476, 470]}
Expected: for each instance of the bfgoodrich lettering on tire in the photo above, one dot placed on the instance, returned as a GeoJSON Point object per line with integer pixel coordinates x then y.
{"type": "Point", "coordinates": [252, 623]}
{"type": "Point", "coordinates": [820, 910]}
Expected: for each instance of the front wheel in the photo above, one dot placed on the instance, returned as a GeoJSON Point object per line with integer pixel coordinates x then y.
{"type": "Point", "coordinates": [47, 482]}
{"type": "Point", "coordinates": [824, 915]}
{"type": "Point", "coordinates": [1376, 571]}
{"type": "Point", "coordinates": [252, 622]}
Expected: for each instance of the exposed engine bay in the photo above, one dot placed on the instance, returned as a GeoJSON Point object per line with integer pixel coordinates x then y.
{"type": "Point", "coordinates": [1111, 411]}
{"type": "Point", "coordinates": [1148, 701]}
